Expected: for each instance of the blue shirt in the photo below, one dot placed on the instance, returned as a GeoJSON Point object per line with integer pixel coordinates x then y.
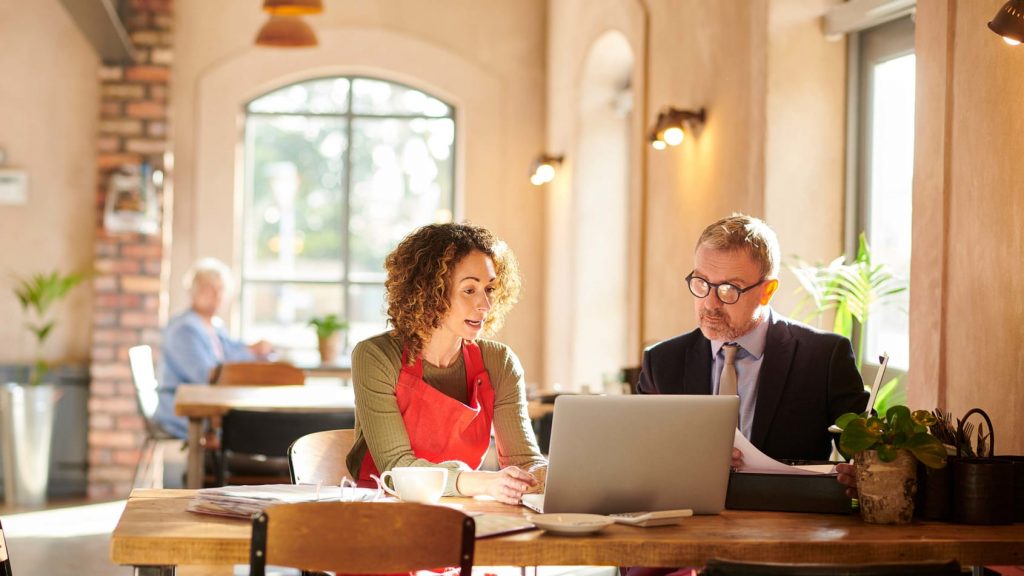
{"type": "Point", "coordinates": [187, 354]}
{"type": "Point", "coordinates": [749, 358]}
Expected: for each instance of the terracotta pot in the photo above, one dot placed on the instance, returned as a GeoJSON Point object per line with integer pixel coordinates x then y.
{"type": "Point", "coordinates": [329, 348]}
{"type": "Point", "coordinates": [886, 489]}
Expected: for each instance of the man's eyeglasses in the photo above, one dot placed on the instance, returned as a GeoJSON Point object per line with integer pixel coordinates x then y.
{"type": "Point", "coordinates": [727, 293]}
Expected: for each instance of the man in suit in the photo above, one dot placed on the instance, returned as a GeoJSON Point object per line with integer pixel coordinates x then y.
{"type": "Point", "coordinates": [792, 380]}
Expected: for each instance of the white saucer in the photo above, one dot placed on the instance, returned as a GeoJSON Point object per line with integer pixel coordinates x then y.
{"type": "Point", "coordinates": [570, 524]}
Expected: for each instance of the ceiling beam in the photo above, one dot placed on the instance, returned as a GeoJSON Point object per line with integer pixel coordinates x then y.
{"type": "Point", "coordinates": [100, 23]}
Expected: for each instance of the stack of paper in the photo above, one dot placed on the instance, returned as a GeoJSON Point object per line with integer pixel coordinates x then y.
{"type": "Point", "coordinates": [249, 501]}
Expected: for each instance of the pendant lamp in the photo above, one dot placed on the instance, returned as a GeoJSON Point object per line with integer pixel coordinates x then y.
{"type": "Point", "coordinates": [286, 32]}
{"type": "Point", "coordinates": [292, 7]}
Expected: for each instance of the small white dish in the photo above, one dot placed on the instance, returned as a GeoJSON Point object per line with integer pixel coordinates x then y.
{"type": "Point", "coordinates": [570, 524]}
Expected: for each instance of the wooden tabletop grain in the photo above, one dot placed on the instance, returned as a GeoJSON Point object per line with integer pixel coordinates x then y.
{"type": "Point", "coordinates": [155, 529]}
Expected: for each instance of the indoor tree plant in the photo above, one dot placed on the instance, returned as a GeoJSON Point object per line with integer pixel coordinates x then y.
{"type": "Point", "coordinates": [850, 291]}
{"type": "Point", "coordinates": [885, 454]}
{"type": "Point", "coordinates": [27, 409]}
{"type": "Point", "coordinates": [328, 332]}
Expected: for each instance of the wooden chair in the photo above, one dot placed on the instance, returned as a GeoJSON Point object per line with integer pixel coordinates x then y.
{"type": "Point", "coordinates": [320, 457]}
{"type": "Point", "coordinates": [5, 560]}
{"type": "Point", "coordinates": [254, 444]}
{"type": "Point", "coordinates": [716, 567]}
{"type": "Point", "coordinates": [257, 374]}
{"type": "Point", "coordinates": [378, 538]}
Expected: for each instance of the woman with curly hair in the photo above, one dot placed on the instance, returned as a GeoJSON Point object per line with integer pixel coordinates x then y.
{"type": "Point", "coordinates": [429, 391]}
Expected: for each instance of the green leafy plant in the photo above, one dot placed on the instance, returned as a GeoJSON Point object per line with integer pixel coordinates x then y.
{"type": "Point", "coordinates": [898, 430]}
{"type": "Point", "coordinates": [851, 290]}
{"type": "Point", "coordinates": [327, 325]}
{"type": "Point", "coordinates": [37, 295]}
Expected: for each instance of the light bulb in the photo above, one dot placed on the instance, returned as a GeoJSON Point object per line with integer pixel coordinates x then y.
{"type": "Point", "coordinates": [546, 172]}
{"type": "Point", "coordinates": [1010, 41]}
{"type": "Point", "coordinates": [674, 136]}
{"type": "Point", "coordinates": [536, 180]}
{"type": "Point", "coordinates": [658, 144]}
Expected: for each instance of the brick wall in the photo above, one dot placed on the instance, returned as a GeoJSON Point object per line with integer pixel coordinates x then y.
{"type": "Point", "coordinates": [132, 129]}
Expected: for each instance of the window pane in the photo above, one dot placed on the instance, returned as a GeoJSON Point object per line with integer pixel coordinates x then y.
{"type": "Point", "coordinates": [323, 96]}
{"type": "Point", "coordinates": [892, 170]}
{"type": "Point", "coordinates": [280, 313]}
{"type": "Point", "coordinates": [367, 316]}
{"type": "Point", "coordinates": [379, 97]}
{"type": "Point", "coordinates": [294, 210]}
{"type": "Point", "coordinates": [401, 179]}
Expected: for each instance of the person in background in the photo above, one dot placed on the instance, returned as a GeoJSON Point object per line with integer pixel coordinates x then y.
{"type": "Point", "coordinates": [428, 391]}
{"type": "Point", "coordinates": [195, 341]}
{"type": "Point", "coordinates": [793, 380]}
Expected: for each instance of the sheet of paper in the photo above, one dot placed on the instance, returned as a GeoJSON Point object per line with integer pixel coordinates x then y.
{"type": "Point", "coordinates": [756, 461]}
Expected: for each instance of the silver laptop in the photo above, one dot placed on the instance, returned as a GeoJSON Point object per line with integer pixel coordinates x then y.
{"type": "Point", "coordinates": [612, 454]}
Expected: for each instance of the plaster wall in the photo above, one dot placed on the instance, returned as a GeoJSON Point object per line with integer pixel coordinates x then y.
{"type": "Point", "coordinates": [485, 58]}
{"type": "Point", "coordinates": [967, 220]}
{"type": "Point", "coordinates": [48, 129]}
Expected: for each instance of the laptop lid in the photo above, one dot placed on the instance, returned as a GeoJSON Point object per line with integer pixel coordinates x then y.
{"type": "Point", "coordinates": [634, 453]}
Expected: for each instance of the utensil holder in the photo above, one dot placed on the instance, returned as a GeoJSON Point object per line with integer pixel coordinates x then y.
{"type": "Point", "coordinates": [982, 487]}
{"type": "Point", "coordinates": [1018, 486]}
{"type": "Point", "coordinates": [934, 498]}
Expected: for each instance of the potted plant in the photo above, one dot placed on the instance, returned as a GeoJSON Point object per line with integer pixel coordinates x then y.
{"type": "Point", "coordinates": [851, 291]}
{"type": "Point", "coordinates": [885, 454]}
{"type": "Point", "coordinates": [328, 332]}
{"type": "Point", "coordinates": [27, 408]}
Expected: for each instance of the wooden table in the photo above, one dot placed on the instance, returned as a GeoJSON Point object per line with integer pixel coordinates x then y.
{"type": "Point", "coordinates": [155, 530]}
{"type": "Point", "coordinates": [200, 402]}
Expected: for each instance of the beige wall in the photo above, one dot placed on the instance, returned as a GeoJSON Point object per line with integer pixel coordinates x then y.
{"type": "Point", "coordinates": [805, 139]}
{"type": "Point", "coordinates": [48, 118]}
{"type": "Point", "coordinates": [486, 58]}
{"type": "Point", "coordinates": [968, 202]}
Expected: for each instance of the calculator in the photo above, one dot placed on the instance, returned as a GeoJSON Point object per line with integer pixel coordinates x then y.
{"type": "Point", "coordinates": [648, 519]}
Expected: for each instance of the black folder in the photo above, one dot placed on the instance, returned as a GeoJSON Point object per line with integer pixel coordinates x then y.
{"type": "Point", "coordinates": [787, 493]}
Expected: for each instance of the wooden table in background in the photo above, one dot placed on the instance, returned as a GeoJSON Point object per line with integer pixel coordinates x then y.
{"type": "Point", "coordinates": [155, 530]}
{"type": "Point", "coordinates": [200, 402]}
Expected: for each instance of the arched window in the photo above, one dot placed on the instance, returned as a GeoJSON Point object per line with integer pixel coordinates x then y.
{"type": "Point", "coordinates": [337, 171]}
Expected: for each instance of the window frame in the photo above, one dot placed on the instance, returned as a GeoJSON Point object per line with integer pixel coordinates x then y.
{"type": "Point", "coordinates": [345, 281]}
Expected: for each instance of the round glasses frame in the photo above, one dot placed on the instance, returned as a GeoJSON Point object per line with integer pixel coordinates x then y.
{"type": "Point", "coordinates": [726, 292]}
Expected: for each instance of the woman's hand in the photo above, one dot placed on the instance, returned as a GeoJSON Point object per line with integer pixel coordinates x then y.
{"type": "Point", "coordinates": [848, 477]}
{"type": "Point", "coordinates": [506, 485]}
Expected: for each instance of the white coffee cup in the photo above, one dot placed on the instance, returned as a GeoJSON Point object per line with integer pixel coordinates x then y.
{"type": "Point", "coordinates": [416, 483]}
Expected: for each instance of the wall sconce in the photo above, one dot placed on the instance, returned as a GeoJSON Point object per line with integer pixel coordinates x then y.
{"type": "Point", "coordinates": [285, 29]}
{"type": "Point", "coordinates": [1009, 22]}
{"type": "Point", "coordinates": [543, 169]}
{"type": "Point", "coordinates": [672, 124]}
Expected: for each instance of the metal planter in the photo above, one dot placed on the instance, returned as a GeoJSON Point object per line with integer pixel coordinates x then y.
{"type": "Point", "coordinates": [26, 430]}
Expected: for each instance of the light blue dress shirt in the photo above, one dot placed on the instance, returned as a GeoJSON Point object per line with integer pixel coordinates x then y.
{"type": "Point", "coordinates": [187, 354]}
{"type": "Point", "coordinates": [748, 365]}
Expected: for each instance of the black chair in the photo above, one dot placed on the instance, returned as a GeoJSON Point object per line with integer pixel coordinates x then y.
{"type": "Point", "coordinates": [254, 444]}
{"type": "Point", "coordinates": [716, 567]}
{"type": "Point", "coordinates": [140, 358]}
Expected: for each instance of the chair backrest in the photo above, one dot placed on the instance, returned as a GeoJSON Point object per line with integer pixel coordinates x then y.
{"type": "Point", "coordinates": [140, 358]}
{"type": "Point", "coordinates": [5, 560]}
{"type": "Point", "coordinates": [320, 457]}
{"type": "Point", "coordinates": [257, 374]}
{"type": "Point", "coordinates": [379, 538]}
{"type": "Point", "coordinates": [269, 434]}
{"type": "Point", "coordinates": [716, 567]}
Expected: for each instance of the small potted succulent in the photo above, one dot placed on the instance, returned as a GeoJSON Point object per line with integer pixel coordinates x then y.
{"type": "Point", "coordinates": [885, 454]}
{"type": "Point", "coordinates": [328, 332]}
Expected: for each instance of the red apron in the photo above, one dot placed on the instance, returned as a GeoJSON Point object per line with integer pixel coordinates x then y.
{"type": "Point", "coordinates": [441, 428]}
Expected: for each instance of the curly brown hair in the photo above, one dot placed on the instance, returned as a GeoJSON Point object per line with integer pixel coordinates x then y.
{"type": "Point", "coordinates": [420, 276]}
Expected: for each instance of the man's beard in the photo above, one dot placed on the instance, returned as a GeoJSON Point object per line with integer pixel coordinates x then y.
{"type": "Point", "coordinates": [715, 325]}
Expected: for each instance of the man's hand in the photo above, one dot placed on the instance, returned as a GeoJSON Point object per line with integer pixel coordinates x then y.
{"type": "Point", "coordinates": [848, 477]}
{"type": "Point", "coordinates": [737, 459]}
{"type": "Point", "coordinates": [261, 349]}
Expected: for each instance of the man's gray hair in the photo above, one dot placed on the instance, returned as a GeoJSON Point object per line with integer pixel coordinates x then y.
{"type": "Point", "coordinates": [742, 232]}
{"type": "Point", "coordinates": [206, 269]}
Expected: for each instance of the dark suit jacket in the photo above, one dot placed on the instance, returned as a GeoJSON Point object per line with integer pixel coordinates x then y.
{"type": "Point", "coordinates": [807, 379]}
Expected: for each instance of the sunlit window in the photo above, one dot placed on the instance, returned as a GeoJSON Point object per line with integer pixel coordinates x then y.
{"type": "Point", "coordinates": [338, 171]}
